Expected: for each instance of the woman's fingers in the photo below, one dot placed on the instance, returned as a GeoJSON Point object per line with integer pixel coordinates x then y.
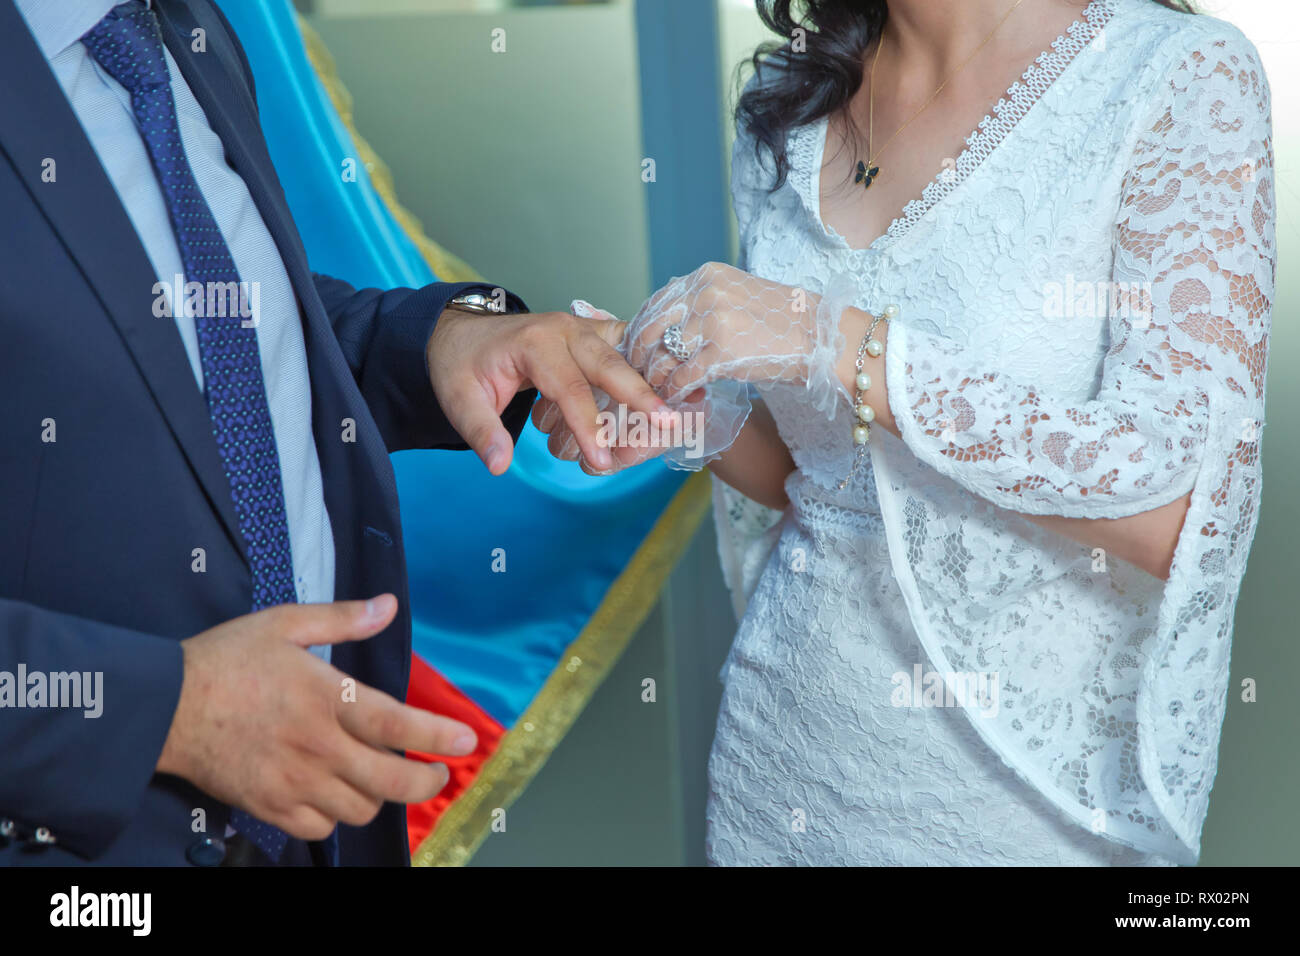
{"type": "Point", "coordinates": [546, 416]}
{"type": "Point", "coordinates": [636, 384]}
{"type": "Point", "coordinates": [560, 377]}
{"type": "Point", "coordinates": [584, 309]}
{"type": "Point", "coordinates": [692, 375]}
{"type": "Point", "coordinates": [562, 445]}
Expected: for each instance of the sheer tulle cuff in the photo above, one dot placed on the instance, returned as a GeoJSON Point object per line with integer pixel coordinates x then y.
{"type": "Point", "coordinates": [709, 426]}
{"type": "Point", "coordinates": [824, 389]}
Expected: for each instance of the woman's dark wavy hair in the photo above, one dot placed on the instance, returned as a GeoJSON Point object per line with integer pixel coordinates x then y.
{"type": "Point", "coordinates": [794, 89]}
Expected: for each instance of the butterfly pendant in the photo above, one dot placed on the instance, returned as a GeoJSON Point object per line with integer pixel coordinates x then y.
{"type": "Point", "coordinates": [865, 175]}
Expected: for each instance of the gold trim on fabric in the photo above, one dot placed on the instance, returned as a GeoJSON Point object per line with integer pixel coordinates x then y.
{"type": "Point", "coordinates": [586, 662]}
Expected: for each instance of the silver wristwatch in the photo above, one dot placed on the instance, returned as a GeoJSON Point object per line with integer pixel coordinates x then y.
{"type": "Point", "coordinates": [478, 302]}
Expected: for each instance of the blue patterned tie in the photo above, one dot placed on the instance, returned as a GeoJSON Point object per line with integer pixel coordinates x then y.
{"type": "Point", "coordinates": [127, 45]}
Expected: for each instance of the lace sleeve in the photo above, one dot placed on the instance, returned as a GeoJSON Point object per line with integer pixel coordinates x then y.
{"type": "Point", "coordinates": [1183, 378]}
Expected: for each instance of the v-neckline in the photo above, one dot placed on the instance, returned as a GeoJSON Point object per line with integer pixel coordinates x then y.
{"type": "Point", "coordinates": [1006, 116]}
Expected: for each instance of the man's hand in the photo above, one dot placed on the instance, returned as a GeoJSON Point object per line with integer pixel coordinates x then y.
{"type": "Point", "coordinates": [477, 363]}
{"type": "Point", "coordinates": [561, 443]}
{"type": "Point", "coordinates": [263, 724]}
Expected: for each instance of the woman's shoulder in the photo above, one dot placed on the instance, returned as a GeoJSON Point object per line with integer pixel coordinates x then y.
{"type": "Point", "coordinates": [1182, 69]}
{"type": "Point", "coordinates": [1170, 41]}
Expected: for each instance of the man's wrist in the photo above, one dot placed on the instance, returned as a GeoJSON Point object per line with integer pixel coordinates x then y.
{"type": "Point", "coordinates": [171, 757]}
{"type": "Point", "coordinates": [481, 303]}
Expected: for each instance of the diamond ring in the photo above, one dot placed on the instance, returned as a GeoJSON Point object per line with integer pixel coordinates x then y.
{"type": "Point", "coordinates": [673, 342]}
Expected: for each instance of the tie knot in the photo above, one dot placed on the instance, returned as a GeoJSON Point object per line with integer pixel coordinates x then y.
{"type": "Point", "coordinates": [126, 44]}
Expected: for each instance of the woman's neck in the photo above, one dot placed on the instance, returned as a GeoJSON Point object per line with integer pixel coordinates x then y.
{"type": "Point", "coordinates": [933, 37]}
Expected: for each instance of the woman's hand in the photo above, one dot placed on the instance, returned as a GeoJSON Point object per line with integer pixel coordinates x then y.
{"type": "Point", "coordinates": [734, 326]}
{"type": "Point", "coordinates": [698, 427]}
{"type": "Point", "coordinates": [733, 329]}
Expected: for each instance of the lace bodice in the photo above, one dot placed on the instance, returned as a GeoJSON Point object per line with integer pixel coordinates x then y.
{"type": "Point", "coordinates": [1086, 301]}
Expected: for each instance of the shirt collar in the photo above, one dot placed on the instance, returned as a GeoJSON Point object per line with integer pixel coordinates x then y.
{"type": "Point", "coordinates": [58, 24]}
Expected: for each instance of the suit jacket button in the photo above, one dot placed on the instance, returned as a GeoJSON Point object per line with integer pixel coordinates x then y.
{"type": "Point", "coordinates": [43, 835]}
{"type": "Point", "coordinates": [7, 829]}
{"type": "Point", "coordinates": [206, 852]}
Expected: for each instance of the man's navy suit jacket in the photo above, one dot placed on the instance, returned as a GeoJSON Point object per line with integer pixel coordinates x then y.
{"type": "Point", "coordinates": [99, 527]}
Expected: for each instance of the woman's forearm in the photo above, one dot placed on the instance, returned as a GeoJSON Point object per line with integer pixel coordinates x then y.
{"type": "Point", "coordinates": [758, 463]}
{"type": "Point", "coordinates": [1147, 539]}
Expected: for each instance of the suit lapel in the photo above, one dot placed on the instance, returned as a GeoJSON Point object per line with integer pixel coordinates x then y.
{"type": "Point", "coordinates": [36, 123]}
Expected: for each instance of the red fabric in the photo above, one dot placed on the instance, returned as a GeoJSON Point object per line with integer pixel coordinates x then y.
{"type": "Point", "coordinates": [431, 691]}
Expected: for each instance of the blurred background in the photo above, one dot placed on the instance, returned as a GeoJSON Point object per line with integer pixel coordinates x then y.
{"type": "Point", "coordinates": [520, 133]}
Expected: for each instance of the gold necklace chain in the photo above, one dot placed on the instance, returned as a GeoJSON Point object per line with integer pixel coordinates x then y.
{"type": "Point", "coordinates": [869, 170]}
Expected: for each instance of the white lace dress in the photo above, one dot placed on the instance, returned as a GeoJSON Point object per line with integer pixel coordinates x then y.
{"type": "Point", "coordinates": [922, 676]}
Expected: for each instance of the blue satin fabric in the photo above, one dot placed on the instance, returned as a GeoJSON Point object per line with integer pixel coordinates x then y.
{"type": "Point", "coordinates": [565, 536]}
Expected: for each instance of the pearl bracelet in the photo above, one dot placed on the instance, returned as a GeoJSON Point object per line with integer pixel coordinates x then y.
{"type": "Point", "coordinates": [864, 413]}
